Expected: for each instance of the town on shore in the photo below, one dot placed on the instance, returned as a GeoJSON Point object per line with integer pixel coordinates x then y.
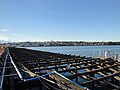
{"type": "Point", "coordinates": [58, 43]}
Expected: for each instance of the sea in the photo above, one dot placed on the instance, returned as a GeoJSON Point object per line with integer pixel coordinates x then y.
{"type": "Point", "coordinates": [88, 51]}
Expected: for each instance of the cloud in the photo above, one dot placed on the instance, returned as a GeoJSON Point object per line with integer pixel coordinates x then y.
{"type": "Point", "coordinates": [3, 37]}
{"type": "Point", "coordinates": [4, 30]}
{"type": "Point", "coordinates": [11, 36]}
{"type": "Point", "coordinates": [15, 34]}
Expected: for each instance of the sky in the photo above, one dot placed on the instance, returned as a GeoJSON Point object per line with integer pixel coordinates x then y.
{"type": "Point", "coordinates": [60, 20]}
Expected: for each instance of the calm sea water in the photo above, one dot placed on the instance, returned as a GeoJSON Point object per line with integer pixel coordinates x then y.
{"type": "Point", "coordinates": [88, 51]}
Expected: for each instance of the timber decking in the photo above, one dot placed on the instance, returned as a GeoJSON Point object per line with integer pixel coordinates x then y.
{"type": "Point", "coordinates": [93, 73]}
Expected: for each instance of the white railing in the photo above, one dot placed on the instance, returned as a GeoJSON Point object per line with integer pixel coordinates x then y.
{"type": "Point", "coordinates": [4, 66]}
{"type": "Point", "coordinates": [118, 57]}
{"type": "Point", "coordinates": [106, 54]}
{"type": "Point", "coordinates": [6, 57]}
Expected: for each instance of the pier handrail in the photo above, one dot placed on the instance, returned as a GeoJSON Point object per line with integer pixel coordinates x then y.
{"type": "Point", "coordinates": [17, 70]}
{"type": "Point", "coordinates": [3, 71]}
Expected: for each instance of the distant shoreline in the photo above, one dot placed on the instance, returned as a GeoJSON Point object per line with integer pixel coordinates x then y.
{"type": "Point", "coordinates": [59, 43]}
{"type": "Point", "coordinates": [69, 45]}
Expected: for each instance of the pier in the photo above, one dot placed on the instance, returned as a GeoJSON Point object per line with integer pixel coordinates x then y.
{"type": "Point", "coordinates": [23, 69]}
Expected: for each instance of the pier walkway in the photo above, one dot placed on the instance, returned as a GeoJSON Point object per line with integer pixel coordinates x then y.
{"type": "Point", "coordinates": [23, 69]}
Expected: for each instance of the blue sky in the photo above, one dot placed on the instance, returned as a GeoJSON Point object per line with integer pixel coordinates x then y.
{"type": "Point", "coordinates": [40, 20]}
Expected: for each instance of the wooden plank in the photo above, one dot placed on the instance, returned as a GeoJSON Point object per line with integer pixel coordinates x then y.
{"type": "Point", "coordinates": [101, 78]}
{"type": "Point", "coordinates": [117, 77]}
{"type": "Point", "coordinates": [65, 83]}
{"type": "Point", "coordinates": [102, 74]}
{"type": "Point", "coordinates": [93, 71]}
{"type": "Point", "coordinates": [87, 70]}
{"type": "Point", "coordinates": [67, 70]}
{"type": "Point", "coordinates": [85, 77]}
{"type": "Point", "coordinates": [115, 71]}
{"type": "Point", "coordinates": [2, 49]}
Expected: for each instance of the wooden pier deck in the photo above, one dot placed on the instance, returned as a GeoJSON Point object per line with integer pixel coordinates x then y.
{"type": "Point", "coordinates": [2, 48]}
{"type": "Point", "coordinates": [87, 72]}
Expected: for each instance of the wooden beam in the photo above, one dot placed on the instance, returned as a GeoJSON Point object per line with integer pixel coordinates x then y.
{"type": "Point", "coordinates": [93, 71]}
{"type": "Point", "coordinates": [115, 71]}
{"type": "Point", "coordinates": [102, 78]}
